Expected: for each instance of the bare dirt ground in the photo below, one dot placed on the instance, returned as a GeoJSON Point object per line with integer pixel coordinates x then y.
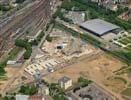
{"type": "Point", "coordinates": [97, 68]}
{"type": "Point", "coordinates": [115, 85]}
{"type": "Point", "coordinates": [10, 72]}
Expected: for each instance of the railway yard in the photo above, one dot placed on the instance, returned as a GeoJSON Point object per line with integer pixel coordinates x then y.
{"type": "Point", "coordinates": [31, 18]}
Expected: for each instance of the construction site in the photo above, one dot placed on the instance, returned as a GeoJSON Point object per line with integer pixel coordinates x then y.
{"type": "Point", "coordinates": [60, 52]}
{"type": "Point", "coordinates": [83, 59]}
{"type": "Point", "coordinates": [73, 57]}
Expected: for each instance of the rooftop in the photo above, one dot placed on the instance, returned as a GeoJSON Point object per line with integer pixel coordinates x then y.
{"type": "Point", "coordinates": [22, 97]}
{"type": "Point", "coordinates": [98, 26]}
{"type": "Point", "coordinates": [35, 98]}
{"type": "Point", "coordinates": [64, 79]}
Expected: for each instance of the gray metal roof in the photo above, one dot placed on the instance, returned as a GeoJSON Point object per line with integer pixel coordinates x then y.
{"type": "Point", "coordinates": [64, 79]}
{"type": "Point", "coordinates": [98, 26]}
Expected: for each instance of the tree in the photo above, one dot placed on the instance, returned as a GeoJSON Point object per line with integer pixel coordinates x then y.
{"type": "Point", "coordinates": [19, 1]}
{"type": "Point", "coordinates": [33, 90]}
{"type": "Point", "coordinates": [28, 90]}
{"type": "Point", "coordinates": [34, 42]}
{"type": "Point", "coordinates": [2, 71]}
{"type": "Point", "coordinates": [84, 81]}
{"type": "Point", "coordinates": [27, 54]}
{"type": "Point", "coordinates": [20, 43]}
{"type": "Point", "coordinates": [59, 97]}
{"type": "Point", "coordinates": [49, 39]}
{"type": "Point", "coordinates": [25, 44]}
{"type": "Point", "coordinates": [6, 98]}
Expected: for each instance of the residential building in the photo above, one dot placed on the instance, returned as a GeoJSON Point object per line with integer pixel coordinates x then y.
{"type": "Point", "coordinates": [65, 82]}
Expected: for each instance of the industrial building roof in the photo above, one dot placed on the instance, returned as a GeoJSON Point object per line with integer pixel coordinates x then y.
{"type": "Point", "coordinates": [98, 26]}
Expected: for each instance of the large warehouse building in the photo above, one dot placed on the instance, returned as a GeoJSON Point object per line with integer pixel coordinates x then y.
{"type": "Point", "coordinates": [99, 27]}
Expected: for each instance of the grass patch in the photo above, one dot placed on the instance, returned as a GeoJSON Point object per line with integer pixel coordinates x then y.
{"type": "Point", "coordinates": [129, 37]}
{"type": "Point", "coordinates": [126, 40]}
{"type": "Point", "coordinates": [11, 56]}
{"type": "Point", "coordinates": [3, 77]}
{"type": "Point", "coordinates": [127, 48]}
{"type": "Point", "coordinates": [127, 92]}
{"type": "Point", "coordinates": [126, 56]}
{"type": "Point", "coordinates": [129, 85]}
{"type": "Point", "coordinates": [121, 79]}
{"type": "Point", "coordinates": [123, 42]}
{"type": "Point", "coordinates": [14, 53]}
{"type": "Point", "coordinates": [122, 68]}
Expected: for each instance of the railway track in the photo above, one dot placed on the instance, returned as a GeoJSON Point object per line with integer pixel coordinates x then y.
{"type": "Point", "coordinates": [33, 17]}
